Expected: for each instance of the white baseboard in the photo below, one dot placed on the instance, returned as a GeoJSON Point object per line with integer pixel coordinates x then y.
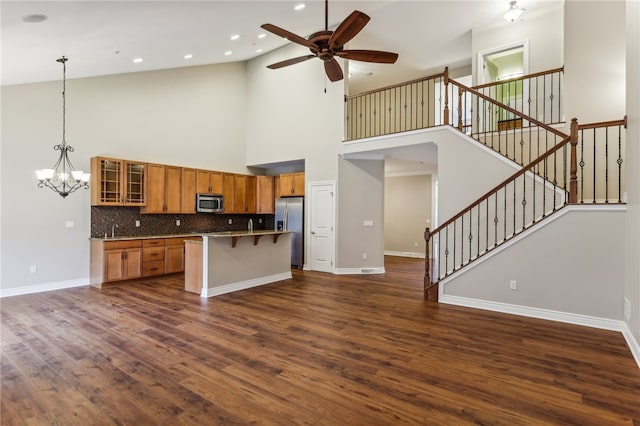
{"type": "Point", "coordinates": [403, 254]}
{"type": "Point", "coordinates": [546, 314]}
{"type": "Point", "coordinates": [358, 271]}
{"type": "Point", "coordinates": [242, 285]}
{"type": "Point", "coordinates": [39, 288]}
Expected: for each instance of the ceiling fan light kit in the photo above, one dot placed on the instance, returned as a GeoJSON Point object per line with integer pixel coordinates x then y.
{"type": "Point", "coordinates": [326, 45]}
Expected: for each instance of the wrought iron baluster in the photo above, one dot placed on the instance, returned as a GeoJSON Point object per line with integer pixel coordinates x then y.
{"type": "Point", "coordinates": [606, 165]}
{"type": "Point", "coordinates": [619, 161]}
{"type": "Point", "coordinates": [454, 245]}
{"type": "Point", "coordinates": [504, 215]}
{"type": "Point", "coordinates": [446, 251]}
{"type": "Point", "coordinates": [581, 164]}
{"type": "Point", "coordinates": [495, 220]}
{"type": "Point", "coordinates": [470, 233]}
{"type": "Point", "coordinates": [594, 166]}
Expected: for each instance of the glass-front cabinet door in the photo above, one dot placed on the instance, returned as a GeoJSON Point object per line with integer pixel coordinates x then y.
{"type": "Point", "coordinates": [117, 182]}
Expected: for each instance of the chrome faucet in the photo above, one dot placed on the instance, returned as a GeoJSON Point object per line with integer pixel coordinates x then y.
{"type": "Point", "coordinates": [113, 230]}
{"type": "Point", "coordinates": [250, 225]}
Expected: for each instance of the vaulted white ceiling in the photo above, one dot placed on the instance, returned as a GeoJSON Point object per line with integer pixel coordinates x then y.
{"type": "Point", "coordinates": [103, 37]}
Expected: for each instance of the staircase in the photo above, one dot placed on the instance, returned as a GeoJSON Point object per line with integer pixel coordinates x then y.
{"type": "Point", "coordinates": [519, 120]}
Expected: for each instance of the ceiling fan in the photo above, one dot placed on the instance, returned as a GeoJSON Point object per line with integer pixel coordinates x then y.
{"type": "Point", "coordinates": [326, 44]}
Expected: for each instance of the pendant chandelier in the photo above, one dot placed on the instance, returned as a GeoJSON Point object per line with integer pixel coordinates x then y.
{"type": "Point", "coordinates": [63, 178]}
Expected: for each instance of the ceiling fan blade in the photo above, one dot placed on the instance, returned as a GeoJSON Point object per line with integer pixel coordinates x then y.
{"type": "Point", "coordinates": [348, 29]}
{"type": "Point", "coordinates": [290, 62]}
{"type": "Point", "coordinates": [289, 35]}
{"type": "Point", "coordinates": [333, 70]}
{"type": "Point", "coordinates": [368, 56]}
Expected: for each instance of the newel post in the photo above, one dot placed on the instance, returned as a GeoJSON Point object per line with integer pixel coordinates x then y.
{"type": "Point", "coordinates": [573, 164]}
{"type": "Point", "coordinates": [427, 262]}
{"type": "Point", "coordinates": [446, 96]}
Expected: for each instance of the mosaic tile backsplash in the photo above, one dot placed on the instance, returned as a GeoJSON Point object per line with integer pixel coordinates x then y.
{"type": "Point", "coordinates": [103, 218]}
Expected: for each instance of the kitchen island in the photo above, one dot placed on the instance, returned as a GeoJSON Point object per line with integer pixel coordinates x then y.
{"type": "Point", "coordinates": [223, 262]}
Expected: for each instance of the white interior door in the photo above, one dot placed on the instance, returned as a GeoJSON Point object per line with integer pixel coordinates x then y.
{"type": "Point", "coordinates": [322, 225]}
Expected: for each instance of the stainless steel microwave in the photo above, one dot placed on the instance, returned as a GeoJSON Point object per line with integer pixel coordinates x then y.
{"type": "Point", "coordinates": [209, 203]}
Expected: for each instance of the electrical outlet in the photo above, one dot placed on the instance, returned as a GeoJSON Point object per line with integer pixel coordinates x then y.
{"type": "Point", "coordinates": [259, 220]}
{"type": "Point", "coordinates": [33, 269]}
{"type": "Point", "coordinates": [367, 223]}
{"type": "Point", "coordinates": [513, 285]}
{"type": "Point", "coordinates": [230, 221]}
{"type": "Point", "coordinates": [627, 309]}
{"type": "Point", "coordinates": [69, 224]}
{"type": "Point", "coordinates": [137, 224]}
{"type": "Point", "coordinates": [177, 222]}
{"type": "Point", "coordinates": [364, 256]}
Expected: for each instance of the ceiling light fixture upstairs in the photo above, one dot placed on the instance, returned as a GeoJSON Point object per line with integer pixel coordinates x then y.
{"type": "Point", "coordinates": [262, 35]}
{"type": "Point", "coordinates": [62, 178]}
{"type": "Point", "coordinates": [137, 60]}
{"type": "Point", "coordinates": [299, 6]}
{"type": "Point", "coordinates": [188, 56]}
{"type": "Point", "coordinates": [235, 37]}
{"type": "Point", "coordinates": [227, 53]}
{"type": "Point", "coordinates": [514, 12]}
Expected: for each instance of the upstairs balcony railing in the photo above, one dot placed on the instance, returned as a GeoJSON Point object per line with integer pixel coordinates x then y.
{"type": "Point", "coordinates": [431, 101]}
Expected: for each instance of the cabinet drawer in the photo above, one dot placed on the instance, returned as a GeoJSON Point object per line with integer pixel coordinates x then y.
{"type": "Point", "coordinates": [174, 241]}
{"type": "Point", "coordinates": [152, 254]}
{"type": "Point", "coordinates": [124, 244]}
{"type": "Point", "coordinates": [155, 242]}
{"type": "Point", "coordinates": [152, 268]}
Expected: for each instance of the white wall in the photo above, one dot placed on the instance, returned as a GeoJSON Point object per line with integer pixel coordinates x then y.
{"type": "Point", "coordinates": [550, 267]}
{"type": "Point", "coordinates": [407, 211]}
{"type": "Point", "coordinates": [632, 232]}
{"type": "Point", "coordinates": [594, 58]}
{"type": "Point", "coordinates": [458, 185]}
{"type": "Point", "coordinates": [290, 117]}
{"type": "Point", "coordinates": [360, 198]}
{"type": "Point", "coordinates": [189, 117]}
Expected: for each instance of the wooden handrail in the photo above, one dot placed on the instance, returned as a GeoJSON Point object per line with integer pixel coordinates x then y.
{"type": "Point", "coordinates": [503, 183]}
{"type": "Point", "coordinates": [622, 122]}
{"type": "Point", "coordinates": [524, 77]}
{"type": "Point", "coordinates": [393, 86]}
{"type": "Point", "coordinates": [511, 110]}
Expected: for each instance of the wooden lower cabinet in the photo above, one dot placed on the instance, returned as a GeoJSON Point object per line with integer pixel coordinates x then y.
{"type": "Point", "coordinates": [174, 255]}
{"type": "Point", "coordinates": [113, 261]}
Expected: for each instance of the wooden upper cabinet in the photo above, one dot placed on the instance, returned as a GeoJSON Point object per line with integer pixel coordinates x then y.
{"type": "Point", "coordinates": [188, 198]}
{"type": "Point", "coordinates": [276, 188]}
{"type": "Point", "coordinates": [264, 194]}
{"type": "Point", "coordinates": [209, 182]}
{"type": "Point", "coordinates": [292, 184]}
{"type": "Point", "coordinates": [250, 195]}
{"type": "Point", "coordinates": [117, 182]}
{"type": "Point", "coordinates": [164, 189]}
{"type": "Point", "coordinates": [228, 192]}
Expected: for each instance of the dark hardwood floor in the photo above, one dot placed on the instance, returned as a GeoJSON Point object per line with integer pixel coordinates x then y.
{"type": "Point", "coordinates": [318, 349]}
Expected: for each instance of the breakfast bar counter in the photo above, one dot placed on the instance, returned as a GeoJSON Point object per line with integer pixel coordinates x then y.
{"type": "Point", "coordinates": [223, 262]}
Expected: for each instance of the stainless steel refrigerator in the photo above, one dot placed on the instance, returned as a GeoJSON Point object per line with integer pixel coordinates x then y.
{"type": "Point", "coordinates": [290, 217]}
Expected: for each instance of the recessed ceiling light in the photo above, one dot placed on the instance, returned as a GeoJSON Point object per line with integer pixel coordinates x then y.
{"type": "Point", "coordinates": [235, 37]}
{"type": "Point", "coordinates": [188, 56]}
{"type": "Point", "coordinates": [34, 19]}
{"type": "Point", "coordinates": [299, 6]}
{"type": "Point", "coordinates": [259, 51]}
{"type": "Point", "coordinates": [262, 35]}
{"type": "Point", "coordinates": [137, 60]}
{"type": "Point", "coordinates": [228, 52]}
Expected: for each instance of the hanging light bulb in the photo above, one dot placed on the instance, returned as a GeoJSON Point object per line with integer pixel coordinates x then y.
{"type": "Point", "coordinates": [62, 178]}
{"type": "Point", "coordinates": [513, 12]}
